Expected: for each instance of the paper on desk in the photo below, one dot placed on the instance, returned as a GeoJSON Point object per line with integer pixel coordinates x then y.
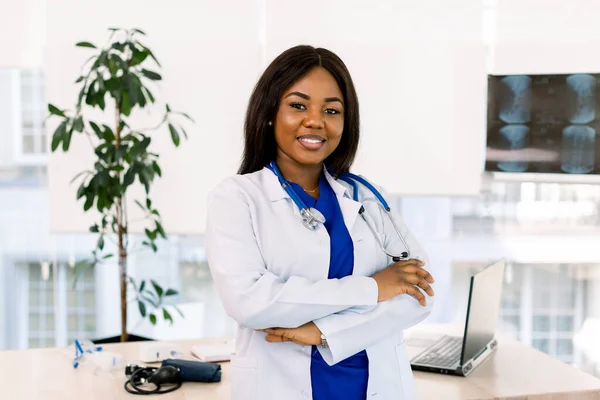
{"type": "Point", "coordinates": [214, 352]}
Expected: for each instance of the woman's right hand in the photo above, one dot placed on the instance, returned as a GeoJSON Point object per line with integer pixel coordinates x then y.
{"type": "Point", "coordinates": [404, 277]}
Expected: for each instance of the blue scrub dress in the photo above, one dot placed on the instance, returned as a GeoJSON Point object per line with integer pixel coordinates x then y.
{"type": "Point", "coordinates": [346, 380]}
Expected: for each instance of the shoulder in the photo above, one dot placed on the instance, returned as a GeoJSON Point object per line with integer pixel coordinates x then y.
{"type": "Point", "coordinates": [241, 185]}
{"type": "Point", "coordinates": [363, 191]}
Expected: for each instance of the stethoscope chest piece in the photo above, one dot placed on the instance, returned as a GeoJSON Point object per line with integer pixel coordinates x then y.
{"type": "Point", "coordinates": [311, 218]}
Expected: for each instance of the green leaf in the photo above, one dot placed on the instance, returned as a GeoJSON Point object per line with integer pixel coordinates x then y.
{"type": "Point", "coordinates": [67, 139]}
{"type": "Point", "coordinates": [139, 31]}
{"type": "Point", "coordinates": [81, 191]}
{"type": "Point", "coordinates": [140, 204]}
{"type": "Point", "coordinates": [130, 86]}
{"type": "Point", "coordinates": [174, 135]}
{"type": "Point", "coordinates": [96, 129]}
{"type": "Point", "coordinates": [55, 111]}
{"type": "Point", "coordinates": [86, 44]}
{"type": "Point", "coordinates": [149, 52]}
{"type": "Point", "coordinates": [142, 307]}
{"type": "Point", "coordinates": [78, 124]}
{"type": "Point", "coordinates": [156, 168]}
{"type": "Point", "coordinates": [80, 79]}
{"type": "Point", "coordinates": [153, 319]}
{"type": "Point", "coordinates": [89, 202]}
{"type": "Point", "coordinates": [118, 46]}
{"type": "Point", "coordinates": [94, 228]}
{"type": "Point", "coordinates": [58, 135]}
{"type": "Point", "coordinates": [171, 292]}
{"type": "Point", "coordinates": [130, 280]}
{"type": "Point", "coordinates": [149, 94]}
{"type": "Point", "coordinates": [160, 230]}
{"type": "Point", "coordinates": [154, 76]}
{"type": "Point", "coordinates": [168, 108]}
{"type": "Point", "coordinates": [138, 57]}
{"type": "Point", "coordinates": [125, 104]}
{"type": "Point", "coordinates": [184, 132]}
{"type": "Point", "coordinates": [167, 316]}
{"type": "Point", "coordinates": [142, 286]}
{"type": "Point", "coordinates": [157, 288]}
{"type": "Point", "coordinates": [151, 234]}
{"type": "Point", "coordinates": [109, 135]}
{"type": "Point", "coordinates": [107, 256]}
{"type": "Point", "coordinates": [148, 203]}
{"type": "Point", "coordinates": [129, 176]}
{"type": "Point", "coordinates": [101, 242]}
{"type": "Point", "coordinates": [187, 116]}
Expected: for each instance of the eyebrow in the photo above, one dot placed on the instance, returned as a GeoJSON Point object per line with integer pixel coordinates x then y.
{"type": "Point", "coordinates": [307, 97]}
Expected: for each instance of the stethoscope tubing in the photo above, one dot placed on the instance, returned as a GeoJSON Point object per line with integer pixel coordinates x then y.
{"type": "Point", "coordinates": [311, 222]}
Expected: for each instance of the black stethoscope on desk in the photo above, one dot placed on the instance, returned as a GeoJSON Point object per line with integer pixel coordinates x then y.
{"type": "Point", "coordinates": [311, 217]}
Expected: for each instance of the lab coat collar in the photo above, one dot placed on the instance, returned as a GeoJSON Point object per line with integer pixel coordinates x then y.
{"type": "Point", "coordinates": [348, 206]}
{"type": "Point", "coordinates": [275, 192]}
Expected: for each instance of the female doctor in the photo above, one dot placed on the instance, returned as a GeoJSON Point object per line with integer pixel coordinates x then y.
{"type": "Point", "coordinates": [320, 306]}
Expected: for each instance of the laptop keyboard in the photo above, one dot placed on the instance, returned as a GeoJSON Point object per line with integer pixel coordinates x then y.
{"type": "Point", "coordinates": [444, 353]}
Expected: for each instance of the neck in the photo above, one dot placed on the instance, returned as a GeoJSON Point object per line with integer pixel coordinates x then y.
{"type": "Point", "coordinates": [307, 176]}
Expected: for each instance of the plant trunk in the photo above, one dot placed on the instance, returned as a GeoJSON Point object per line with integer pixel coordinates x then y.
{"type": "Point", "coordinates": [121, 232]}
{"type": "Point", "coordinates": [123, 279]}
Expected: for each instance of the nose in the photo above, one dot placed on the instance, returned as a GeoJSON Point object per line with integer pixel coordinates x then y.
{"type": "Point", "coordinates": [313, 120]}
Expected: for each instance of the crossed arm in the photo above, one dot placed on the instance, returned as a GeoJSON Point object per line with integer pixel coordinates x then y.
{"type": "Point", "coordinates": [344, 310]}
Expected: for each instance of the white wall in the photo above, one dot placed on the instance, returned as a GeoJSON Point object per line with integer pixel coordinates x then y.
{"type": "Point", "coordinates": [419, 68]}
{"type": "Point", "coordinates": [546, 36]}
{"type": "Point", "coordinates": [210, 55]}
{"type": "Point", "coordinates": [22, 32]}
{"type": "Point", "coordinates": [9, 122]}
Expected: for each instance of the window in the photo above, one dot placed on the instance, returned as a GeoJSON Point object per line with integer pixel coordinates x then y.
{"type": "Point", "coordinates": [53, 299]}
{"type": "Point", "coordinates": [31, 143]}
{"type": "Point", "coordinates": [543, 305]}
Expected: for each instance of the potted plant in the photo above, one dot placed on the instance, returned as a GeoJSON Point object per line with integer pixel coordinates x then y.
{"type": "Point", "coordinates": [117, 80]}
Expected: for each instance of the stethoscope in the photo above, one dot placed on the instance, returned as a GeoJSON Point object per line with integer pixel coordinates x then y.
{"type": "Point", "coordinates": [311, 217]}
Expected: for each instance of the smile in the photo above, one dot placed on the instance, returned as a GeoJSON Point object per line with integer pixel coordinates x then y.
{"type": "Point", "coordinates": [311, 142]}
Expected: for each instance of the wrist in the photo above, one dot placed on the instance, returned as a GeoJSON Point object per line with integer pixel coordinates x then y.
{"type": "Point", "coordinates": [324, 343]}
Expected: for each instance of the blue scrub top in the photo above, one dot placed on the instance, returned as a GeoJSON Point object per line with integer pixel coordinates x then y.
{"type": "Point", "coordinates": [348, 379]}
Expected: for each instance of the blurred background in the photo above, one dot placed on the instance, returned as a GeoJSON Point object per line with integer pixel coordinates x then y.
{"type": "Point", "coordinates": [421, 69]}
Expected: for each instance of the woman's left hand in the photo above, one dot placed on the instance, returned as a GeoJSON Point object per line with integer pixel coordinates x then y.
{"type": "Point", "coordinates": [305, 335]}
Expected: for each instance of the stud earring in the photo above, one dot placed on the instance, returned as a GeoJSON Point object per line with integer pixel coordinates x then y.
{"type": "Point", "coordinates": [270, 123]}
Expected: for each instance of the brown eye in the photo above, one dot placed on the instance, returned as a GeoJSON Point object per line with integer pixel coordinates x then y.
{"type": "Point", "coordinates": [298, 106]}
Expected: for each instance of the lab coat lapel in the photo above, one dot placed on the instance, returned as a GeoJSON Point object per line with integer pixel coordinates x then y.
{"type": "Point", "coordinates": [348, 206]}
{"type": "Point", "coordinates": [274, 191]}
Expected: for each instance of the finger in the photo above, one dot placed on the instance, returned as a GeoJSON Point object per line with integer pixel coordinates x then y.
{"type": "Point", "coordinates": [426, 287]}
{"type": "Point", "coordinates": [409, 263]}
{"type": "Point", "coordinates": [275, 339]}
{"type": "Point", "coordinates": [418, 295]}
{"type": "Point", "coordinates": [416, 280]}
{"type": "Point", "coordinates": [274, 331]}
{"type": "Point", "coordinates": [426, 275]}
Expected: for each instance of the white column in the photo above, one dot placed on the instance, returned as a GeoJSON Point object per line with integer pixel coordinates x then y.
{"type": "Point", "coordinates": [60, 304]}
{"type": "Point", "coordinates": [430, 221]}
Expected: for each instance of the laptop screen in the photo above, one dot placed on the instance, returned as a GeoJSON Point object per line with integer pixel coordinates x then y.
{"type": "Point", "coordinates": [483, 309]}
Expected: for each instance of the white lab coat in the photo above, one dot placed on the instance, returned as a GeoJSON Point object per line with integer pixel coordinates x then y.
{"type": "Point", "coordinates": [271, 271]}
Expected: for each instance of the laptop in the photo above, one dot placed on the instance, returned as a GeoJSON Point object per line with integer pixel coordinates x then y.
{"type": "Point", "coordinates": [460, 355]}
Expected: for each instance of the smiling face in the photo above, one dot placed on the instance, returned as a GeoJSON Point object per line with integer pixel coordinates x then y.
{"type": "Point", "coordinates": [310, 120]}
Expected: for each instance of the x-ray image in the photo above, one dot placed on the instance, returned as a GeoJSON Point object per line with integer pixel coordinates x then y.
{"type": "Point", "coordinates": [543, 124]}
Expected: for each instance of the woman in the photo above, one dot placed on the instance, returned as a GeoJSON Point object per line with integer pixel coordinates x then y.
{"type": "Point", "coordinates": [321, 311]}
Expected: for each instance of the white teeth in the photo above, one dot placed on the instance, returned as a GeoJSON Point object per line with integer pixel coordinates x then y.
{"type": "Point", "coordinates": [315, 141]}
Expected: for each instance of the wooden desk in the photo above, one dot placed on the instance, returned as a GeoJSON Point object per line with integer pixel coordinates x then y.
{"type": "Point", "coordinates": [513, 372]}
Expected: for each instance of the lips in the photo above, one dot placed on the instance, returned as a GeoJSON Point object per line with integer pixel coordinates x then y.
{"type": "Point", "coordinates": [311, 142]}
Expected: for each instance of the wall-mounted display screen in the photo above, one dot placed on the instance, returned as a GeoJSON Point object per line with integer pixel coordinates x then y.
{"type": "Point", "coordinates": [543, 124]}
